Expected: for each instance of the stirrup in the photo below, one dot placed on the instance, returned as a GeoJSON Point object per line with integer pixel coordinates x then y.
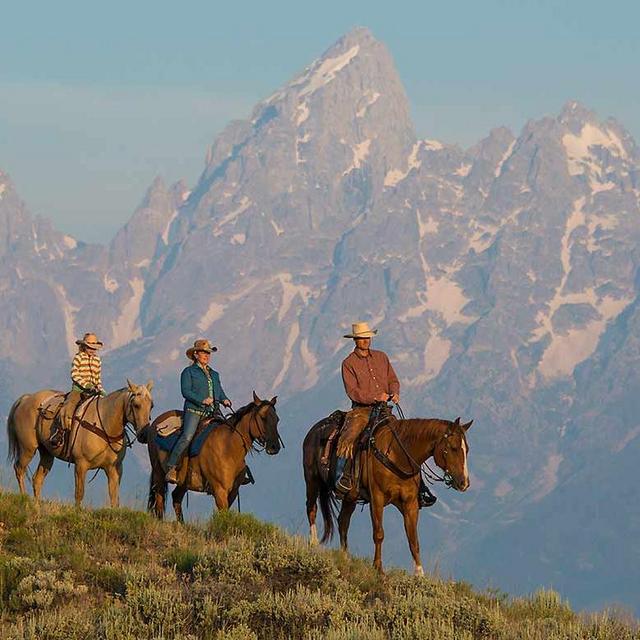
{"type": "Point", "coordinates": [426, 498]}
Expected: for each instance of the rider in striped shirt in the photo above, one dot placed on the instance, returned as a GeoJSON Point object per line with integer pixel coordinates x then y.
{"type": "Point", "coordinates": [86, 378]}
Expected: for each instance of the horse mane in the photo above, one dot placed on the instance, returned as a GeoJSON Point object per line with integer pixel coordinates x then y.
{"type": "Point", "coordinates": [240, 413]}
{"type": "Point", "coordinates": [413, 430]}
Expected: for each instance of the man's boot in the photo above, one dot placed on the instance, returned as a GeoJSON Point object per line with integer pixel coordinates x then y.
{"type": "Point", "coordinates": [425, 497]}
{"type": "Point", "coordinates": [344, 476]}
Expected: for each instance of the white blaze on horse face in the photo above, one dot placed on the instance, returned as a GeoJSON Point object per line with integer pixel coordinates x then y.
{"type": "Point", "coordinates": [314, 534]}
{"type": "Point", "coordinates": [465, 470]}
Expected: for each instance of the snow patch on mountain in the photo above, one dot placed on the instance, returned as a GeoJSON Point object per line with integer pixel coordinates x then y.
{"type": "Point", "coordinates": [213, 313]}
{"type": "Point", "coordinates": [165, 233]}
{"type": "Point", "coordinates": [444, 296]}
{"type": "Point", "coordinates": [69, 242]}
{"type": "Point", "coordinates": [289, 292]}
{"type": "Point", "coordinates": [127, 326]}
{"type": "Point", "coordinates": [578, 147]}
{"type": "Point", "coordinates": [69, 314]}
{"type": "Point", "coordinates": [110, 284]}
{"type": "Point", "coordinates": [548, 478]}
{"type": "Point", "coordinates": [371, 97]}
{"type": "Point", "coordinates": [394, 176]}
{"type": "Point", "coordinates": [303, 113]}
{"type": "Point", "coordinates": [243, 205]}
{"type": "Point", "coordinates": [311, 364]}
{"type": "Point", "coordinates": [294, 333]}
{"type": "Point", "coordinates": [324, 72]}
{"type": "Point", "coordinates": [505, 157]}
{"type": "Point", "coordinates": [360, 153]}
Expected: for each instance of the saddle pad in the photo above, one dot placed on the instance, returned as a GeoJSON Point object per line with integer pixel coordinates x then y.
{"type": "Point", "coordinates": [166, 443]}
{"type": "Point", "coordinates": [167, 423]}
{"type": "Point", "coordinates": [50, 406]}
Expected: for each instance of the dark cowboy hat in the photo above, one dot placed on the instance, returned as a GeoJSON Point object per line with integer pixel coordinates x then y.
{"type": "Point", "coordinates": [200, 345]}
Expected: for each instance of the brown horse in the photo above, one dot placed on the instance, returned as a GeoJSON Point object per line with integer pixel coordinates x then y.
{"type": "Point", "coordinates": [390, 474]}
{"type": "Point", "coordinates": [96, 440]}
{"type": "Point", "coordinates": [219, 467]}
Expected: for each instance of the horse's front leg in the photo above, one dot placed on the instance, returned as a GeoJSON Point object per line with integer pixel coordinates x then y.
{"type": "Point", "coordinates": [81, 474]}
{"type": "Point", "coordinates": [177, 496]}
{"type": "Point", "coordinates": [375, 508]}
{"type": "Point", "coordinates": [409, 511]}
{"type": "Point", "coordinates": [114, 473]}
{"type": "Point", "coordinates": [344, 518]}
{"type": "Point", "coordinates": [221, 496]}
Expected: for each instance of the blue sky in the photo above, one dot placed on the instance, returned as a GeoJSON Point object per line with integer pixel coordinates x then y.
{"type": "Point", "coordinates": [97, 100]}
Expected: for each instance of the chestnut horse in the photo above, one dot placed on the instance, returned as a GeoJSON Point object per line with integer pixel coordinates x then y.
{"type": "Point", "coordinates": [219, 467]}
{"type": "Point", "coordinates": [390, 470]}
{"type": "Point", "coordinates": [96, 441]}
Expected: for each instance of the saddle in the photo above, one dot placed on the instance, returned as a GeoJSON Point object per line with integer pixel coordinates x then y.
{"type": "Point", "coordinates": [168, 427]}
{"type": "Point", "coordinates": [330, 434]}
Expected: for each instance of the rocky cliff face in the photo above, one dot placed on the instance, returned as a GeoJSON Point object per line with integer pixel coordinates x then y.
{"type": "Point", "coordinates": [502, 279]}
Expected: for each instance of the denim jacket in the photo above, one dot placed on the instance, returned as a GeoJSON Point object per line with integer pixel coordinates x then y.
{"type": "Point", "coordinates": [195, 388]}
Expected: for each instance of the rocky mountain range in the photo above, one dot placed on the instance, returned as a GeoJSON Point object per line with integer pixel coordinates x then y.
{"type": "Point", "coordinates": [503, 279]}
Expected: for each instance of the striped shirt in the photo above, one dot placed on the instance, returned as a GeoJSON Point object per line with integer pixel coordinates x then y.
{"type": "Point", "coordinates": [86, 372]}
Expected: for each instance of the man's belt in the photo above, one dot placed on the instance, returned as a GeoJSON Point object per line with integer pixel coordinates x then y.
{"type": "Point", "coordinates": [357, 405]}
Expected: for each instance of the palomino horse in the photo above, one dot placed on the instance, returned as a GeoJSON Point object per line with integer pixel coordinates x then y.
{"type": "Point", "coordinates": [97, 440]}
{"type": "Point", "coordinates": [390, 474]}
{"type": "Point", "coordinates": [219, 468]}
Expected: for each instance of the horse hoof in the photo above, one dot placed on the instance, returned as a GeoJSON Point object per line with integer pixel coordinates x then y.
{"type": "Point", "coordinates": [419, 571]}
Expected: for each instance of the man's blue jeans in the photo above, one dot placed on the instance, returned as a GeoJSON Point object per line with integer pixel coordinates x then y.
{"type": "Point", "coordinates": [190, 423]}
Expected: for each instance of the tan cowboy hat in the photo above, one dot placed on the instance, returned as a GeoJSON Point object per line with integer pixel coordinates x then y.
{"type": "Point", "coordinates": [90, 340]}
{"type": "Point", "coordinates": [200, 345]}
{"type": "Point", "coordinates": [361, 330]}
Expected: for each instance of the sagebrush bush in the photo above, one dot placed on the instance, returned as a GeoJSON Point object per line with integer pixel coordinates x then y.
{"type": "Point", "coordinates": [77, 574]}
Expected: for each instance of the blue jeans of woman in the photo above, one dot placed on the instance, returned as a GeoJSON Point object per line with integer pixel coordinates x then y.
{"type": "Point", "coordinates": [190, 423]}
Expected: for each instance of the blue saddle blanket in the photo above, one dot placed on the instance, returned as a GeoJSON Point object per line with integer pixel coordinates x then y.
{"type": "Point", "coordinates": [167, 443]}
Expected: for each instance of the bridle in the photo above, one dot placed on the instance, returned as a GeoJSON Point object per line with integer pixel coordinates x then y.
{"type": "Point", "coordinates": [428, 474]}
{"type": "Point", "coordinates": [261, 437]}
{"type": "Point", "coordinates": [130, 421]}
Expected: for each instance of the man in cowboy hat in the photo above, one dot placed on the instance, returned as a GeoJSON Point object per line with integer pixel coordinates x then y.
{"type": "Point", "coordinates": [86, 378]}
{"type": "Point", "coordinates": [368, 378]}
{"type": "Point", "coordinates": [202, 393]}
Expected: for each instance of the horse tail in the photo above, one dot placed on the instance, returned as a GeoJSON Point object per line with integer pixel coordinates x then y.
{"type": "Point", "coordinates": [14, 446]}
{"type": "Point", "coordinates": [328, 508]}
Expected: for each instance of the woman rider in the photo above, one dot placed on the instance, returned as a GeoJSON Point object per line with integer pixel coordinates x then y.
{"type": "Point", "coordinates": [203, 394]}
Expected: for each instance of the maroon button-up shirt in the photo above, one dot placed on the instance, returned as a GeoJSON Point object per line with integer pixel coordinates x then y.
{"type": "Point", "coordinates": [365, 377]}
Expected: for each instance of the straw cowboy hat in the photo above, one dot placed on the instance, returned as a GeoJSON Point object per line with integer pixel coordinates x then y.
{"type": "Point", "coordinates": [90, 340]}
{"type": "Point", "coordinates": [361, 330]}
{"type": "Point", "coordinates": [200, 345]}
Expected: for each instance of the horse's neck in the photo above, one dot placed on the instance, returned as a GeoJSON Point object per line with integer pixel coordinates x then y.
{"type": "Point", "coordinates": [112, 412]}
{"type": "Point", "coordinates": [243, 427]}
{"type": "Point", "coordinates": [420, 436]}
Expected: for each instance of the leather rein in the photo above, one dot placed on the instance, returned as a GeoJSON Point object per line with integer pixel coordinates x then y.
{"type": "Point", "coordinates": [430, 475]}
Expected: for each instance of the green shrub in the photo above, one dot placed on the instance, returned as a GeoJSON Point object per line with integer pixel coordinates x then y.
{"type": "Point", "coordinates": [229, 524]}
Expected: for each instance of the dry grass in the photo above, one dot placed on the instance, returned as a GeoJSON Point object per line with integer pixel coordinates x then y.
{"type": "Point", "coordinates": [69, 573]}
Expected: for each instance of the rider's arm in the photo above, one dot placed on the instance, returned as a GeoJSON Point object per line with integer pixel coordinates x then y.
{"type": "Point", "coordinates": [218, 391]}
{"type": "Point", "coordinates": [394, 383]}
{"type": "Point", "coordinates": [351, 386]}
{"type": "Point", "coordinates": [186, 387]}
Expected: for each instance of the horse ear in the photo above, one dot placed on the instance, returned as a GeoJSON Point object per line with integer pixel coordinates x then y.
{"type": "Point", "coordinates": [457, 421]}
{"type": "Point", "coordinates": [132, 387]}
{"type": "Point", "coordinates": [256, 400]}
{"type": "Point", "coordinates": [149, 385]}
{"type": "Point", "coordinates": [273, 400]}
{"type": "Point", "coordinates": [466, 426]}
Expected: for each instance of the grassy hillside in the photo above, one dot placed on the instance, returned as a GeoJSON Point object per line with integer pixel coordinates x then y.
{"type": "Point", "coordinates": [67, 573]}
